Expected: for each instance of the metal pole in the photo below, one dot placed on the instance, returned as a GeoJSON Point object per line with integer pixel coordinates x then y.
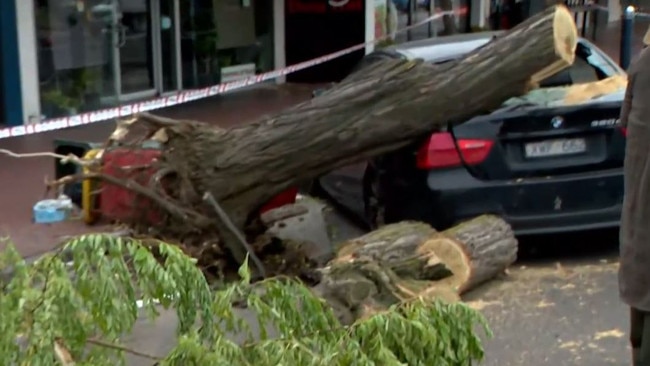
{"type": "Point", "coordinates": [585, 15]}
{"type": "Point", "coordinates": [594, 23]}
{"type": "Point", "coordinates": [627, 30]}
{"type": "Point", "coordinates": [432, 24]}
{"type": "Point", "coordinates": [410, 19]}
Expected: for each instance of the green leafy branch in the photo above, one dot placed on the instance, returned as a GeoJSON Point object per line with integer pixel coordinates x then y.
{"type": "Point", "coordinates": [79, 311]}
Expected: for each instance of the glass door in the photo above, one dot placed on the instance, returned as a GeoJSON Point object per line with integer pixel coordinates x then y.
{"type": "Point", "coordinates": [131, 52]}
{"type": "Point", "coordinates": [133, 49]}
{"type": "Point", "coordinates": [143, 53]}
{"type": "Point", "coordinates": [166, 41]}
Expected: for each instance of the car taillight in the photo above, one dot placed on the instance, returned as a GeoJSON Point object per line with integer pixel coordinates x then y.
{"type": "Point", "coordinates": [285, 198]}
{"type": "Point", "coordinates": [624, 131]}
{"type": "Point", "coordinates": [440, 151]}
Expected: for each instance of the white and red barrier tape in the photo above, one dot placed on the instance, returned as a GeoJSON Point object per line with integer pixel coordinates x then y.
{"type": "Point", "coordinates": [185, 96]}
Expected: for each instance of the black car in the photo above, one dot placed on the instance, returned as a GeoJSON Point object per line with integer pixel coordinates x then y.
{"type": "Point", "coordinates": [542, 164]}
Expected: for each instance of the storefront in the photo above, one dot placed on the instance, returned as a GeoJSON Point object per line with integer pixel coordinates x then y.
{"type": "Point", "coordinates": [316, 28]}
{"type": "Point", "coordinates": [505, 14]}
{"type": "Point", "coordinates": [98, 53]}
{"type": "Point", "coordinates": [78, 56]}
{"type": "Point", "coordinates": [66, 57]}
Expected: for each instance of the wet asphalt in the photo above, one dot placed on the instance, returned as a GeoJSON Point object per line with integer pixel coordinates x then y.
{"type": "Point", "coordinates": [558, 305]}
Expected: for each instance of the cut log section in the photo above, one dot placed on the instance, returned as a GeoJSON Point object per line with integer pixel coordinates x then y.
{"type": "Point", "coordinates": [459, 258]}
{"type": "Point", "coordinates": [385, 108]}
{"type": "Point", "coordinates": [405, 260]}
{"type": "Point", "coordinates": [475, 251]}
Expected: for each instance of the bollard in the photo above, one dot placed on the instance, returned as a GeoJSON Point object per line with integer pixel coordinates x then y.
{"type": "Point", "coordinates": [627, 31]}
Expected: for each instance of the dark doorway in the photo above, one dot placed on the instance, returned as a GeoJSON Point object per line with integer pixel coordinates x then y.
{"type": "Point", "coordinates": [315, 28]}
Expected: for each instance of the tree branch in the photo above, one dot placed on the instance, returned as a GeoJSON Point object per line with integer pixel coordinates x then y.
{"type": "Point", "coordinates": [70, 158]}
{"type": "Point", "coordinates": [180, 213]}
{"type": "Point", "coordinates": [223, 216]}
{"type": "Point", "coordinates": [117, 347]}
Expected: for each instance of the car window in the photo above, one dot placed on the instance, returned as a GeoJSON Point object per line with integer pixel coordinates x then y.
{"type": "Point", "coordinates": [601, 62]}
{"type": "Point", "coordinates": [589, 66]}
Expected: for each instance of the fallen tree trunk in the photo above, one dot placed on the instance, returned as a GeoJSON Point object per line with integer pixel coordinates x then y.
{"type": "Point", "coordinates": [382, 110]}
{"type": "Point", "coordinates": [368, 273]}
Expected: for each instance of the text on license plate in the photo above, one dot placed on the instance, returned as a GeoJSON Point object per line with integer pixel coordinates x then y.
{"type": "Point", "coordinates": [555, 147]}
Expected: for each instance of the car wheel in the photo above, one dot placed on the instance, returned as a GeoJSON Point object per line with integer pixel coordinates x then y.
{"type": "Point", "coordinates": [374, 207]}
{"type": "Point", "coordinates": [379, 212]}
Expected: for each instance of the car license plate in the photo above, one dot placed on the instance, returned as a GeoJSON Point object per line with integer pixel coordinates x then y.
{"type": "Point", "coordinates": [555, 148]}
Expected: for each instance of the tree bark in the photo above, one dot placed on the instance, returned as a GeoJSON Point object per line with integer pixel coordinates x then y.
{"type": "Point", "coordinates": [380, 111]}
{"type": "Point", "coordinates": [405, 260]}
{"type": "Point", "coordinates": [397, 247]}
{"type": "Point", "coordinates": [475, 251]}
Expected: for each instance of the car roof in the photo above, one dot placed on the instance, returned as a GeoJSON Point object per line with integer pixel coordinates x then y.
{"type": "Point", "coordinates": [438, 49]}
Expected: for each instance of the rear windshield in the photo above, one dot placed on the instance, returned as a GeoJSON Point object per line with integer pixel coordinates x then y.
{"type": "Point", "coordinates": [589, 66]}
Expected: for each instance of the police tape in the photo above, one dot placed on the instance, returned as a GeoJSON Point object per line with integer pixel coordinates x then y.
{"type": "Point", "coordinates": [186, 96]}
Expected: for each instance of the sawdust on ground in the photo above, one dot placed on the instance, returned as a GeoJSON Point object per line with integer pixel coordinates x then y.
{"type": "Point", "coordinates": [527, 295]}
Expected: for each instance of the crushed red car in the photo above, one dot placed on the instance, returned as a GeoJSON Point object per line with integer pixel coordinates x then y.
{"type": "Point", "coordinates": [118, 203]}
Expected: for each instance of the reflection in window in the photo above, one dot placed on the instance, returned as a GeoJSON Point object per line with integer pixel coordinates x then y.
{"type": "Point", "coordinates": [73, 50]}
{"type": "Point", "coordinates": [224, 40]}
{"type": "Point", "coordinates": [198, 43]}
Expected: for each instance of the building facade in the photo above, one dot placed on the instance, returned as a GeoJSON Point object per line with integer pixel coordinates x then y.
{"type": "Point", "coordinates": [67, 57]}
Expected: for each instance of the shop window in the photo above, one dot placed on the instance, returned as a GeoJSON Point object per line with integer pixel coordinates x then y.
{"type": "Point", "coordinates": [73, 49]}
{"type": "Point", "coordinates": [506, 14]}
{"type": "Point", "coordinates": [224, 40]}
{"type": "Point", "coordinates": [409, 12]}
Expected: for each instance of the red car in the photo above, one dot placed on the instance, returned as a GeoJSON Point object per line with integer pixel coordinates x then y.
{"type": "Point", "coordinates": [120, 204]}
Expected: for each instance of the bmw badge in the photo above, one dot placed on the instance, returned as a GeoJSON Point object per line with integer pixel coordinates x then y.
{"type": "Point", "coordinates": [557, 122]}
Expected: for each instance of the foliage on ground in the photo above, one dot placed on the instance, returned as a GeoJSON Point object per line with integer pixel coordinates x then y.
{"type": "Point", "coordinates": [63, 313]}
